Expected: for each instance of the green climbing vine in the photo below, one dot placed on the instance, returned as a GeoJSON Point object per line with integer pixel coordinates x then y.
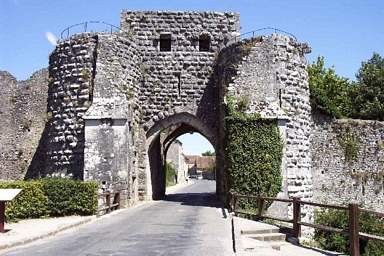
{"type": "Point", "coordinates": [349, 141]}
{"type": "Point", "coordinates": [253, 152]}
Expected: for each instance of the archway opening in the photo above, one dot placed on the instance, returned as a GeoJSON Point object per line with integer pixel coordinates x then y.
{"type": "Point", "coordinates": [191, 158]}
{"type": "Point", "coordinates": [175, 156]}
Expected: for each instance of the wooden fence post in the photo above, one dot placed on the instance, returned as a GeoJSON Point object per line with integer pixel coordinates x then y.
{"type": "Point", "coordinates": [118, 200]}
{"type": "Point", "coordinates": [260, 207]}
{"type": "Point", "coordinates": [354, 243]}
{"type": "Point", "coordinates": [108, 201]}
{"type": "Point", "coordinates": [234, 203]}
{"type": "Point", "coordinates": [296, 217]}
{"type": "Point", "coordinates": [2, 216]}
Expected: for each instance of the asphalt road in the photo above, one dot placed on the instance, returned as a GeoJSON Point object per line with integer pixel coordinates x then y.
{"type": "Point", "coordinates": [189, 222]}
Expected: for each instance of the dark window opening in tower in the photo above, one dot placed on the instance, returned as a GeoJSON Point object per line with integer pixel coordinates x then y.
{"type": "Point", "coordinates": [165, 43]}
{"type": "Point", "coordinates": [204, 43]}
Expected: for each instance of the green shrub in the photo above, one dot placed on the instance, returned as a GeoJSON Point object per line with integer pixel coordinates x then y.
{"type": "Point", "coordinates": [51, 197]}
{"type": "Point", "coordinates": [253, 154]}
{"type": "Point", "coordinates": [170, 174]}
{"type": "Point", "coordinates": [30, 203]}
{"type": "Point", "coordinates": [70, 197]}
{"type": "Point", "coordinates": [338, 242]}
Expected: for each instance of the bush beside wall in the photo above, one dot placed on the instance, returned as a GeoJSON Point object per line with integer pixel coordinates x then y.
{"type": "Point", "coordinates": [70, 197]}
{"type": "Point", "coordinates": [339, 242]}
{"type": "Point", "coordinates": [30, 203]}
{"type": "Point", "coordinates": [51, 197]}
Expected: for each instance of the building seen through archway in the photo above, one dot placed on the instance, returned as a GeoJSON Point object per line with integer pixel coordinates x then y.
{"type": "Point", "coordinates": [192, 159]}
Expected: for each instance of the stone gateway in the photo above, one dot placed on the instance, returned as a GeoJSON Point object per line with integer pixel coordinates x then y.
{"type": "Point", "coordinates": [118, 100]}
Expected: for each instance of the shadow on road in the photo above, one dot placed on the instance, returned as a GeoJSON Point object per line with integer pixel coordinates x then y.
{"type": "Point", "coordinates": [195, 199]}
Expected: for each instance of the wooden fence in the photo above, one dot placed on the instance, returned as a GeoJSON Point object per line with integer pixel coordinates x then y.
{"type": "Point", "coordinates": [112, 202]}
{"type": "Point", "coordinates": [353, 230]}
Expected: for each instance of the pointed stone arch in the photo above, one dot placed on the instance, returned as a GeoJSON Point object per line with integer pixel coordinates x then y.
{"type": "Point", "coordinates": [157, 145]}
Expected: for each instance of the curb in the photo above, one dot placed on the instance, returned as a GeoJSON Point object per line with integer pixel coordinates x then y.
{"type": "Point", "coordinates": [29, 240]}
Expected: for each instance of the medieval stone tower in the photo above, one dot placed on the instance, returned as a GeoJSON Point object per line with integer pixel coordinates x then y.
{"type": "Point", "coordinates": [117, 100]}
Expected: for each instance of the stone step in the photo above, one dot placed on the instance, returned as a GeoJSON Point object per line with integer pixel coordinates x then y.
{"type": "Point", "coordinates": [253, 227]}
{"type": "Point", "coordinates": [269, 237]}
{"type": "Point", "coordinates": [250, 244]}
{"type": "Point", "coordinates": [260, 231]}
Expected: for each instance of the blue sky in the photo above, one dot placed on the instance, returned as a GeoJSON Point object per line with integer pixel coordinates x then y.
{"type": "Point", "coordinates": [195, 144]}
{"type": "Point", "coordinates": [346, 32]}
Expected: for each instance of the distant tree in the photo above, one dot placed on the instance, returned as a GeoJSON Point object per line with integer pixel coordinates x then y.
{"type": "Point", "coordinates": [368, 95]}
{"type": "Point", "coordinates": [329, 91]}
{"type": "Point", "coordinates": [170, 175]}
{"type": "Point", "coordinates": [208, 153]}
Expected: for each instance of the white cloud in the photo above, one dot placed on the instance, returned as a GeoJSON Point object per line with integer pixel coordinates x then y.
{"type": "Point", "coordinates": [52, 39]}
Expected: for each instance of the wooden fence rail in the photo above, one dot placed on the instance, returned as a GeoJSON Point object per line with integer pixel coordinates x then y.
{"type": "Point", "coordinates": [353, 210]}
{"type": "Point", "coordinates": [110, 205]}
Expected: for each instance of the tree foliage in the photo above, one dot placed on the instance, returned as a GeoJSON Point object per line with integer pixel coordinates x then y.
{"type": "Point", "coordinates": [340, 98]}
{"type": "Point", "coordinates": [368, 96]}
{"type": "Point", "coordinates": [208, 153]}
{"type": "Point", "coordinates": [170, 174]}
{"type": "Point", "coordinates": [329, 92]}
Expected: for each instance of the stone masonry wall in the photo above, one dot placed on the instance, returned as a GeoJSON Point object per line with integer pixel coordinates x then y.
{"type": "Point", "coordinates": [292, 77]}
{"type": "Point", "coordinates": [270, 72]}
{"type": "Point", "coordinates": [184, 27]}
{"type": "Point", "coordinates": [337, 180]}
{"type": "Point", "coordinates": [109, 136]}
{"type": "Point", "coordinates": [70, 95]}
{"type": "Point", "coordinates": [23, 115]}
{"type": "Point", "coordinates": [176, 157]}
{"type": "Point", "coordinates": [179, 80]}
{"type": "Point", "coordinates": [255, 78]}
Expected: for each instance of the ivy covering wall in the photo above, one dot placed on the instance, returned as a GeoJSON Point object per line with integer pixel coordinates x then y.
{"type": "Point", "coordinates": [253, 152]}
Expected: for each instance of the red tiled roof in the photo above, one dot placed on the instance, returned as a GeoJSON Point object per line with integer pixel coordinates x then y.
{"type": "Point", "coordinates": [202, 162]}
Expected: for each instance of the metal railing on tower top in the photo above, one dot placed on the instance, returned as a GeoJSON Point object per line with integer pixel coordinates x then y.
{"type": "Point", "coordinates": [260, 32]}
{"type": "Point", "coordinates": [89, 26]}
